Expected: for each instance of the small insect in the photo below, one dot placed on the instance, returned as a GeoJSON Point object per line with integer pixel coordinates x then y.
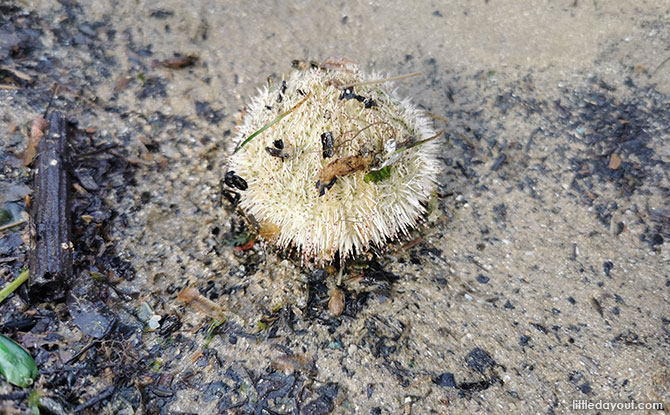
{"type": "Point", "coordinates": [233, 180]}
{"type": "Point", "coordinates": [369, 102]}
{"type": "Point", "coordinates": [348, 93]}
{"type": "Point", "coordinates": [327, 143]}
{"type": "Point", "coordinates": [277, 150]}
{"type": "Point", "coordinates": [282, 90]}
{"type": "Point", "coordinates": [232, 196]}
{"type": "Point", "coordinates": [323, 186]}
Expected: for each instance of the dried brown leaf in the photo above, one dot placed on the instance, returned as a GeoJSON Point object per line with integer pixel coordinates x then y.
{"type": "Point", "coordinates": [192, 297]}
{"type": "Point", "coordinates": [36, 134]}
{"type": "Point", "coordinates": [122, 83]}
{"type": "Point", "coordinates": [336, 302]}
{"type": "Point", "coordinates": [292, 362]}
{"type": "Point", "coordinates": [615, 161]}
{"type": "Point", "coordinates": [342, 167]}
{"type": "Point", "coordinates": [179, 61]}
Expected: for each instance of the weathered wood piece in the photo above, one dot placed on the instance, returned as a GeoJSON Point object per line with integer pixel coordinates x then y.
{"type": "Point", "coordinates": [51, 254]}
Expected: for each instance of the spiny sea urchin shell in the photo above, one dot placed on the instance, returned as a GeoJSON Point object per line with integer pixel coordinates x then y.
{"type": "Point", "coordinates": [340, 163]}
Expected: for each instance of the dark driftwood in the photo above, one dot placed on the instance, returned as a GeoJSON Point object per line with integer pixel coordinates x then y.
{"type": "Point", "coordinates": [51, 256]}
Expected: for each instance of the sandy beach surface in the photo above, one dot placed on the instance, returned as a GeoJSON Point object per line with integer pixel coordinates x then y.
{"type": "Point", "coordinates": [542, 279]}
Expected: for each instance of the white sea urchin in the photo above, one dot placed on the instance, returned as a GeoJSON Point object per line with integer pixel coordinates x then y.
{"type": "Point", "coordinates": [341, 163]}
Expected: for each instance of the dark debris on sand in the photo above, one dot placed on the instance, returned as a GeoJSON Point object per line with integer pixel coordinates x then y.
{"type": "Point", "coordinates": [109, 359]}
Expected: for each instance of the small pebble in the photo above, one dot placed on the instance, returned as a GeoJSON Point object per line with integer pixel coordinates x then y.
{"type": "Point", "coordinates": [483, 279]}
{"type": "Point", "coordinates": [445, 380]}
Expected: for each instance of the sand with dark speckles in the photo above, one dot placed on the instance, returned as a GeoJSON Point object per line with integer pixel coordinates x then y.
{"type": "Point", "coordinates": [548, 264]}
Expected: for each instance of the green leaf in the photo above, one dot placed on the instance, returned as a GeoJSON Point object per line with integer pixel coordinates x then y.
{"type": "Point", "coordinates": [16, 365]}
{"type": "Point", "coordinates": [375, 176]}
{"type": "Point", "coordinates": [210, 332]}
{"type": "Point", "coordinates": [270, 124]}
{"type": "Point", "coordinates": [8, 289]}
{"type": "Point", "coordinates": [34, 401]}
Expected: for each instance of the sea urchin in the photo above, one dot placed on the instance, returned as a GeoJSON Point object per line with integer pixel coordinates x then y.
{"type": "Point", "coordinates": [330, 161]}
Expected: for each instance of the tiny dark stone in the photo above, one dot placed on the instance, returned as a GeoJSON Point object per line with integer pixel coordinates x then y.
{"type": "Point", "coordinates": [585, 388]}
{"type": "Point", "coordinates": [89, 313]}
{"type": "Point", "coordinates": [88, 30]}
{"type": "Point", "coordinates": [571, 300]}
{"type": "Point", "coordinates": [607, 267]}
{"type": "Point", "coordinates": [499, 161]}
{"type": "Point", "coordinates": [619, 228]}
{"type": "Point", "coordinates": [479, 360]}
{"type": "Point", "coordinates": [370, 390]}
{"type": "Point", "coordinates": [376, 411]}
{"type": "Point", "coordinates": [483, 279]}
{"type": "Point", "coordinates": [86, 181]}
{"type": "Point", "coordinates": [470, 387]}
{"type": "Point", "coordinates": [575, 377]}
{"type": "Point", "coordinates": [169, 325]}
{"type": "Point", "coordinates": [523, 340]}
{"type": "Point", "coordinates": [437, 13]}
{"type": "Point", "coordinates": [445, 380]}
{"type": "Point", "coordinates": [500, 211]}
{"type": "Point", "coordinates": [540, 327]}
{"type": "Point", "coordinates": [509, 305]}
{"type": "Point", "coordinates": [656, 239]}
{"type": "Point", "coordinates": [204, 110]}
{"type": "Point", "coordinates": [162, 14]}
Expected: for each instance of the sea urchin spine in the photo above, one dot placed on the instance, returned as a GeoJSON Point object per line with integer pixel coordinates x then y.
{"type": "Point", "coordinates": [332, 161]}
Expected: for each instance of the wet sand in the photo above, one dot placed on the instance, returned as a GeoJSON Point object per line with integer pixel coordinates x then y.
{"type": "Point", "coordinates": [541, 279]}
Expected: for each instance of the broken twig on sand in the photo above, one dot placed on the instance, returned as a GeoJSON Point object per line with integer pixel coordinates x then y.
{"type": "Point", "coordinates": [51, 254]}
